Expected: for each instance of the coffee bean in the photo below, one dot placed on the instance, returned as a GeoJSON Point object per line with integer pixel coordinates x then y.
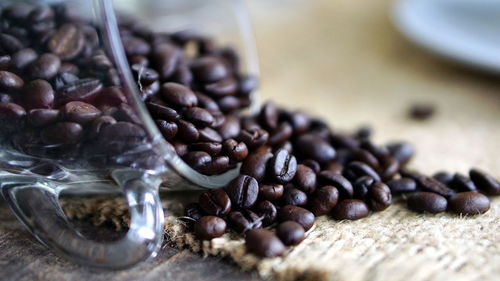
{"type": "Point", "coordinates": [45, 67]}
{"type": "Point", "coordinates": [9, 43]}
{"type": "Point", "coordinates": [193, 211]}
{"type": "Point", "coordinates": [427, 202]}
{"type": "Point", "coordinates": [243, 221]}
{"type": "Point", "coordinates": [243, 191]}
{"type": "Point", "coordinates": [271, 192]}
{"type": "Point", "coordinates": [344, 141]}
{"type": "Point", "coordinates": [187, 131]}
{"type": "Point", "coordinates": [99, 123]}
{"type": "Point", "coordinates": [366, 157]}
{"type": "Point", "coordinates": [209, 69]}
{"type": "Point", "coordinates": [62, 79]}
{"type": "Point", "coordinates": [350, 209]}
{"type": "Point", "coordinates": [355, 170]}
{"type": "Point", "coordinates": [433, 185]}
{"type": "Point", "coordinates": [310, 146]}
{"type": "Point", "coordinates": [299, 122]}
{"type": "Point", "coordinates": [23, 58]}
{"type": "Point", "coordinates": [10, 81]}
{"type": "Point", "coordinates": [247, 84]}
{"type": "Point", "coordinates": [390, 167]}
{"type": "Point", "coordinates": [323, 200]}
{"type": "Point", "coordinates": [268, 116]}
{"type": "Point", "coordinates": [236, 151]}
{"type": "Point", "coordinates": [167, 129]}
{"type": "Point", "coordinates": [180, 148]}
{"type": "Point", "coordinates": [11, 110]}
{"type": "Point", "coordinates": [198, 116]}
{"type": "Point", "coordinates": [43, 117]}
{"type": "Point", "coordinates": [198, 160]}
{"type": "Point", "coordinates": [297, 214]}
{"type": "Point", "coordinates": [281, 135]}
{"type": "Point", "coordinates": [207, 102]}
{"type": "Point", "coordinates": [263, 243]}
{"type": "Point", "coordinates": [215, 202]}
{"type": "Point", "coordinates": [361, 186]}
{"type": "Point", "coordinates": [312, 164]}
{"type": "Point", "coordinates": [421, 111]}
{"type": "Point", "coordinates": [267, 211]}
{"type": "Point", "coordinates": [178, 95]}
{"type": "Point", "coordinates": [305, 179]}
{"type": "Point", "coordinates": [80, 112]}
{"type": "Point", "coordinates": [379, 197]}
{"type": "Point", "coordinates": [209, 135]}
{"type": "Point", "coordinates": [212, 148]}
{"type": "Point", "coordinates": [461, 183]}
{"type": "Point", "coordinates": [293, 196]}
{"type": "Point", "coordinates": [144, 75]}
{"type": "Point", "coordinates": [162, 112]}
{"type": "Point", "coordinates": [256, 163]}
{"type": "Point", "coordinates": [5, 61]}
{"type": "Point", "coordinates": [253, 138]}
{"type": "Point", "coordinates": [340, 182]}
{"type": "Point", "coordinates": [222, 88]}
{"type": "Point", "coordinates": [402, 185]}
{"type": "Point", "coordinates": [165, 58]}
{"type": "Point", "coordinates": [41, 14]}
{"type": "Point", "coordinates": [290, 233]}
{"type": "Point", "coordinates": [402, 151]}
{"type": "Point", "coordinates": [135, 46]}
{"type": "Point", "coordinates": [209, 227]}
{"type": "Point", "coordinates": [18, 11]}
{"type": "Point", "coordinates": [67, 42]}
{"type": "Point", "coordinates": [334, 167]}
{"type": "Point", "coordinates": [38, 94]}
{"type": "Point", "coordinates": [282, 166]}
{"type": "Point", "coordinates": [443, 177]}
{"type": "Point", "coordinates": [485, 182]}
{"type": "Point", "coordinates": [469, 203]}
{"type": "Point", "coordinates": [80, 90]}
{"type": "Point", "coordinates": [62, 133]}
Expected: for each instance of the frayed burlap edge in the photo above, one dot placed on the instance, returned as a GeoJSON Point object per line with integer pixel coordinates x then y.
{"type": "Point", "coordinates": [392, 245]}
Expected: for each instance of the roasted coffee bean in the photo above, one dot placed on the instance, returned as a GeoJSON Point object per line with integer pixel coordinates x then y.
{"type": "Point", "coordinates": [165, 58]}
{"type": "Point", "coordinates": [222, 88]}
{"type": "Point", "coordinates": [323, 200]}
{"type": "Point", "coordinates": [366, 157]}
{"type": "Point", "coordinates": [207, 102]}
{"type": "Point", "coordinates": [282, 166]}
{"type": "Point", "coordinates": [38, 94]}
{"type": "Point", "coordinates": [247, 84]}
{"type": "Point", "coordinates": [263, 243]}
{"type": "Point", "coordinates": [421, 111]}
{"type": "Point", "coordinates": [18, 11]}
{"type": "Point", "coordinates": [144, 75]}
{"type": "Point", "coordinates": [67, 67]}
{"type": "Point", "coordinates": [23, 58]}
{"type": "Point", "coordinates": [180, 148]}
{"type": "Point", "coordinates": [10, 81]}
{"type": "Point", "coordinates": [355, 170]}
{"type": "Point", "coordinates": [390, 168]}
{"type": "Point", "coordinates": [9, 43]}
{"type": "Point", "coordinates": [187, 131]}
{"type": "Point", "coordinates": [343, 185]}
{"type": "Point", "coordinates": [270, 192]}
{"type": "Point", "coordinates": [178, 95]}
{"type": "Point", "coordinates": [364, 132]}
{"type": "Point", "coordinates": [297, 214]}
{"type": "Point", "coordinates": [209, 69]}
{"type": "Point", "coordinates": [198, 116]}
{"type": "Point", "coordinates": [433, 185]}
{"type": "Point", "coordinates": [11, 110]}
{"type": "Point", "coordinates": [461, 183]}
{"type": "Point", "coordinates": [62, 133]}
{"type": "Point", "coordinates": [219, 119]}
{"type": "Point", "coordinates": [293, 196]}
{"type": "Point", "coordinates": [243, 191]}
{"type": "Point", "coordinates": [361, 186]}
{"type": "Point", "coordinates": [218, 165]}
{"type": "Point", "coordinates": [80, 90]}
{"type": "Point", "coordinates": [45, 67]}
{"type": "Point", "coordinates": [167, 129]}
{"type": "Point", "coordinates": [209, 227]}
{"type": "Point", "coordinates": [290, 233]}
{"type": "Point", "coordinates": [281, 134]}
{"type": "Point", "coordinates": [402, 185]}
{"type": "Point", "coordinates": [43, 117]}
{"type": "Point", "coordinates": [485, 182]}
{"type": "Point", "coordinates": [350, 209]}
{"type": "Point", "coordinates": [162, 112]}
{"type": "Point", "coordinates": [62, 79]}
{"type": "Point", "coordinates": [305, 179]}
{"type": "Point", "coordinates": [256, 163]}
{"type": "Point", "coordinates": [5, 61]}
{"type": "Point", "coordinates": [212, 148]}
{"type": "Point", "coordinates": [443, 177]}
{"type": "Point", "coordinates": [344, 141]}
{"type": "Point", "coordinates": [208, 134]}
{"type": "Point", "coordinates": [299, 122]}
{"type": "Point", "coordinates": [236, 151]}
{"type": "Point", "coordinates": [402, 151]}
{"type": "Point", "coordinates": [335, 167]}
{"type": "Point", "coordinates": [99, 123]}
{"type": "Point", "coordinates": [41, 14]}
{"type": "Point", "coordinates": [80, 112]}
{"type": "Point", "coordinates": [135, 46]}
{"type": "Point", "coordinates": [5, 98]}
{"type": "Point", "coordinates": [469, 203]}
{"type": "Point", "coordinates": [67, 42]}
{"type": "Point", "coordinates": [312, 164]}
{"type": "Point", "coordinates": [197, 159]}
{"type": "Point", "coordinates": [215, 202]}
{"type": "Point", "coordinates": [183, 75]}
{"type": "Point", "coordinates": [427, 202]}
{"type": "Point", "coordinates": [268, 116]}
{"type": "Point", "coordinates": [193, 211]}
{"type": "Point", "coordinates": [243, 221]}
{"type": "Point", "coordinates": [253, 138]}
{"type": "Point", "coordinates": [267, 211]}
{"type": "Point", "coordinates": [379, 197]}
{"type": "Point", "coordinates": [121, 130]}
{"type": "Point", "coordinates": [310, 146]}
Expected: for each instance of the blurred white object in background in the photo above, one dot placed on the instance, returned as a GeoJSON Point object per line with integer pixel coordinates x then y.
{"type": "Point", "coordinates": [464, 30]}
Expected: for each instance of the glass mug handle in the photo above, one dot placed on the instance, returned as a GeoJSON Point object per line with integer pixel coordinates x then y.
{"type": "Point", "coordinates": [36, 204]}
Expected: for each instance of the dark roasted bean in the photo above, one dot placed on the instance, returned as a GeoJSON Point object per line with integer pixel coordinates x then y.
{"type": "Point", "coordinates": [247, 84]}
{"type": "Point", "coordinates": [11, 110]}
{"type": "Point", "coordinates": [229, 104]}
{"type": "Point", "coordinates": [222, 88]}
{"type": "Point", "coordinates": [355, 170]}
{"type": "Point", "coordinates": [144, 75]}
{"type": "Point", "coordinates": [340, 182]}
{"type": "Point", "coordinates": [216, 166]}
{"type": "Point", "coordinates": [379, 197]}
{"type": "Point", "coordinates": [9, 43]}
{"type": "Point", "coordinates": [80, 112]}
{"type": "Point", "coordinates": [310, 146]}
{"type": "Point", "coordinates": [197, 159]}
{"type": "Point", "coordinates": [443, 177]}
{"type": "Point", "coordinates": [323, 200]}
{"type": "Point", "coordinates": [212, 148]}
{"type": "Point", "coordinates": [23, 58]}
{"type": "Point", "coordinates": [67, 42]}
{"type": "Point", "coordinates": [305, 179]}
{"type": "Point", "coordinates": [5, 61]}
{"type": "Point", "coordinates": [256, 163]}
{"type": "Point", "coordinates": [215, 202]}
{"type": "Point", "coordinates": [99, 123]}
{"type": "Point", "coordinates": [433, 185]}
{"type": "Point", "coordinates": [344, 141]}
{"type": "Point", "coordinates": [427, 202]}
{"type": "Point", "coordinates": [187, 131]}
{"type": "Point", "coordinates": [162, 112]}
{"type": "Point", "coordinates": [135, 46]}
{"type": "Point", "coordinates": [268, 116]}
{"type": "Point", "coordinates": [209, 69]}
{"type": "Point", "coordinates": [198, 116]}
{"type": "Point", "coordinates": [10, 81]}
{"type": "Point", "coordinates": [350, 209]}
{"type": "Point", "coordinates": [293, 196]}
{"type": "Point", "coordinates": [193, 213]}
{"type": "Point", "coordinates": [290, 233]}
{"type": "Point", "coordinates": [314, 165]}
{"type": "Point", "coordinates": [45, 67]}
{"type": "Point", "coordinates": [165, 59]}
{"type": "Point", "coordinates": [62, 133]}
{"type": "Point", "coordinates": [461, 183]}
{"type": "Point", "coordinates": [180, 148]}
{"type": "Point", "coordinates": [402, 185]}
{"type": "Point", "coordinates": [209, 227]}
{"type": "Point", "coordinates": [389, 168]}
{"type": "Point", "coordinates": [253, 138]}
{"type": "Point", "coordinates": [361, 186]}
{"type": "Point", "coordinates": [167, 129]}
{"type": "Point", "coordinates": [469, 203]}
{"type": "Point", "coordinates": [297, 214]}
{"type": "Point", "coordinates": [243, 191]}
{"type": "Point", "coordinates": [281, 135]}
{"type": "Point", "coordinates": [243, 221]}
{"type": "Point", "coordinates": [178, 95]}
{"type": "Point", "coordinates": [402, 151]}
{"type": "Point", "coordinates": [236, 151]}
{"type": "Point", "coordinates": [80, 90]}
{"type": "Point", "coordinates": [271, 192]}
{"type": "Point", "coordinates": [485, 182]}
{"type": "Point", "coordinates": [208, 134]}
{"type": "Point", "coordinates": [267, 211]}
{"type": "Point", "coordinates": [299, 122]}
{"type": "Point", "coordinates": [263, 243]}
{"type": "Point", "coordinates": [421, 111]}
{"type": "Point", "coordinates": [282, 166]}
{"type": "Point", "coordinates": [207, 102]}
{"type": "Point", "coordinates": [366, 157]}
{"type": "Point", "coordinates": [38, 94]}
{"type": "Point", "coordinates": [43, 117]}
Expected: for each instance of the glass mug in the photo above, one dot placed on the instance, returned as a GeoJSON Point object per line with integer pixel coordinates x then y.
{"type": "Point", "coordinates": [33, 175]}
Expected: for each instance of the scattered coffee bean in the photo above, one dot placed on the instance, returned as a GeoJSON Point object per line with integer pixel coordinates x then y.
{"type": "Point", "coordinates": [305, 179]}
{"type": "Point", "coordinates": [193, 211]}
{"type": "Point", "coordinates": [178, 95]}
{"type": "Point", "coordinates": [255, 164]}
{"type": "Point", "coordinates": [469, 203]}
{"type": "Point", "coordinates": [209, 227]}
{"type": "Point", "coordinates": [282, 166]}
{"type": "Point", "coordinates": [461, 183]}
{"type": "Point", "coordinates": [244, 220]}
{"type": "Point", "coordinates": [290, 233]}
{"type": "Point", "coordinates": [10, 81]}
{"type": "Point", "coordinates": [297, 214]}
{"type": "Point", "coordinates": [263, 243]}
{"type": "Point", "coordinates": [402, 151]}
{"type": "Point", "coordinates": [427, 202]}
{"type": "Point", "coordinates": [343, 185]}
{"type": "Point", "coordinates": [215, 202]}
{"type": "Point", "coordinates": [402, 185]}
{"type": "Point", "coordinates": [271, 191]}
{"type": "Point", "coordinates": [357, 169]}
{"type": "Point", "coordinates": [433, 185]}
{"type": "Point", "coordinates": [243, 191]}
{"type": "Point", "coordinates": [236, 151]}
{"type": "Point", "coordinates": [379, 197]}
{"type": "Point", "coordinates": [361, 186]}
{"type": "Point", "coordinates": [310, 146]}
{"type": "Point", "coordinates": [323, 200]}
{"type": "Point", "coordinates": [421, 111]}
{"type": "Point", "coordinates": [443, 177]}
{"type": "Point", "coordinates": [350, 209]}
{"type": "Point", "coordinates": [267, 211]}
{"type": "Point", "coordinates": [293, 196]}
{"type": "Point", "coordinates": [485, 182]}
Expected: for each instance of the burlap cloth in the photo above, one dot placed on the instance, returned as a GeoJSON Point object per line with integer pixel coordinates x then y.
{"type": "Point", "coordinates": [342, 60]}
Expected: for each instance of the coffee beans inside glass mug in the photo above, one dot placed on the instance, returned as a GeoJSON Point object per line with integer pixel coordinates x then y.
{"type": "Point", "coordinates": [60, 97]}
